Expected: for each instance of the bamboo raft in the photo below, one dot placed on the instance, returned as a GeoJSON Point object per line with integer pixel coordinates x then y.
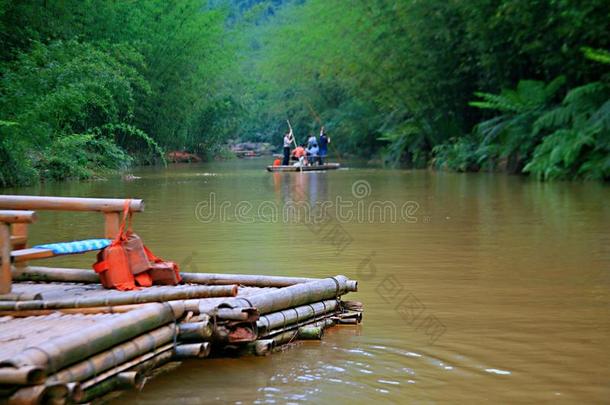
{"type": "Point", "coordinates": [66, 339]}
{"type": "Point", "coordinates": [326, 166]}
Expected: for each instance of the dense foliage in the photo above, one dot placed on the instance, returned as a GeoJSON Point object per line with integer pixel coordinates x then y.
{"type": "Point", "coordinates": [92, 85]}
{"type": "Point", "coordinates": [516, 85]}
{"type": "Point", "coordinates": [402, 79]}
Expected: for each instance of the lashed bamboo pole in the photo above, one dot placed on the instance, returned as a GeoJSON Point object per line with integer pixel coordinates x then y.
{"type": "Point", "coordinates": [289, 297]}
{"type": "Point", "coordinates": [116, 356]}
{"type": "Point", "coordinates": [249, 280]}
{"type": "Point", "coordinates": [122, 381]}
{"type": "Point", "coordinates": [62, 351]}
{"type": "Point", "coordinates": [126, 366]}
{"type": "Point", "coordinates": [50, 274]}
{"type": "Point", "coordinates": [192, 351]}
{"type": "Point", "coordinates": [310, 333]}
{"type": "Point", "coordinates": [195, 331]}
{"type": "Point", "coordinates": [39, 394]}
{"type": "Point", "coordinates": [22, 376]}
{"type": "Point", "coordinates": [296, 315]}
{"type": "Point", "coordinates": [20, 297]}
{"type": "Point", "coordinates": [125, 298]}
{"type": "Point", "coordinates": [260, 347]}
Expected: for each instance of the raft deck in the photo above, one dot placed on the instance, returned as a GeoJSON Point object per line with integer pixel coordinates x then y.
{"type": "Point", "coordinates": [76, 341]}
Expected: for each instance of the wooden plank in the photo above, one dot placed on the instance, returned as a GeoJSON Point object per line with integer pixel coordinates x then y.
{"type": "Point", "coordinates": [16, 216]}
{"type": "Point", "coordinates": [23, 255]}
{"type": "Point", "coordinates": [5, 254]}
{"type": "Point", "coordinates": [68, 203]}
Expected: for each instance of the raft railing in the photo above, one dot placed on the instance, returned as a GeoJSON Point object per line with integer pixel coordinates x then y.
{"type": "Point", "coordinates": [8, 220]}
{"type": "Point", "coordinates": [17, 241]}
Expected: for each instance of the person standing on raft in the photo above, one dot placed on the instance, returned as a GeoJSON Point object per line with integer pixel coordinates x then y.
{"type": "Point", "coordinates": [324, 141]}
{"type": "Point", "coordinates": [288, 139]}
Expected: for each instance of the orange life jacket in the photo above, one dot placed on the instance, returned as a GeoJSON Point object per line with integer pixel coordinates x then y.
{"type": "Point", "coordinates": [127, 263]}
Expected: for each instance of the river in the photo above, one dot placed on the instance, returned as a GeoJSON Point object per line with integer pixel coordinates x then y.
{"type": "Point", "coordinates": [477, 287]}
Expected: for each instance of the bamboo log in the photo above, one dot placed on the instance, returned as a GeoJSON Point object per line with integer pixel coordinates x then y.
{"type": "Point", "coordinates": [287, 317]}
{"type": "Point", "coordinates": [192, 351]}
{"type": "Point", "coordinates": [249, 280]}
{"type": "Point", "coordinates": [288, 297]}
{"type": "Point", "coordinates": [38, 394]}
{"type": "Point", "coordinates": [126, 366]}
{"type": "Point", "coordinates": [125, 298]}
{"type": "Point", "coordinates": [25, 202]}
{"type": "Point", "coordinates": [20, 297]}
{"type": "Point", "coordinates": [116, 356]}
{"type": "Point", "coordinates": [261, 347]}
{"type": "Point", "coordinates": [195, 331]}
{"type": "Point", "coordinates": [153, 362]}
{"type": "Point", "coordinates": [49, 274]}
{"type": "Point", "coordinates": [22, 376]}
{"type": "Point", "coordinates": [237, 314]}
{"type": "Point", "coordinates": [347, 321]}
{"type": "Point", "coordinates": [122, 381]}
{"type": "Point", "coordinates": [310, 333]}
{"type": "Point", "coordinates": [17, 216]}
{"type": "Point", "coordinates": [59, 352]}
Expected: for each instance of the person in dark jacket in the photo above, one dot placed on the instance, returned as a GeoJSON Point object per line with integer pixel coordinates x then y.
{"type": "Point", "coordinates": [323, 145]}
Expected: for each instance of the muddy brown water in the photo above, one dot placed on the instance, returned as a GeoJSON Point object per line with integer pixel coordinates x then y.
{"type": "Point", "coordinates": [476, 287]}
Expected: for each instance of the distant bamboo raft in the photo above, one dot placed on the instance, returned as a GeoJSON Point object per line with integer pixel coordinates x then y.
{"type": "Point", "coordinates": [66, 339]}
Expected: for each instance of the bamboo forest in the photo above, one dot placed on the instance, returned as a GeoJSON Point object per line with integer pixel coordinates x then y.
{"type": "Point", "coordinates": [513, 86]}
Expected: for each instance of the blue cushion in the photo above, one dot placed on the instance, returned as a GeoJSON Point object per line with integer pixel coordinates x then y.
{"type": "Point", "coordinates": [78, 246]}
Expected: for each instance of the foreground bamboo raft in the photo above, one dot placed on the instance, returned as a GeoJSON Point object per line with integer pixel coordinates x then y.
{"type": "Point", "coordinates": [65, 339]}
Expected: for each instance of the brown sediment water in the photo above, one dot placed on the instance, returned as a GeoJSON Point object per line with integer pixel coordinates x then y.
{"type": "Point", "coordinates": [477, 287]}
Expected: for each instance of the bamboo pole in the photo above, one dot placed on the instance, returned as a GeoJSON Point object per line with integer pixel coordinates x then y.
{"type": "Point", "coordinates": [50, 274]}
{"type": "Point", "coordinates": [122, 381]}
{"type": "Point", "coordinates": [261, 347]}
{"type": "Point", "coordinates": [17, 216]}
{"type": "Point", "coordinates": [310, 333]}
{"type": "Point", "coordinates": [296, 315]}
{"type": "Point", "coordinates": [21, 297]}
{"type": "Point", "coordinates": [192, 351]}
{"type": "Point", "coordinates": [116, 356]}
{"type": "Point", "coordinates": [62, 351]}
{"type": "Point", "coordinates": [38, 394]}
{"type": "Point", "coordinates": [195, 331]}
{"type": "Point", "coordinates": [38, 273]}
{"type": "Point", "coordinates": [125, 298]}
{"type": "Point", "coordinates": [126, 366]}
{"type": "Point", "coordinates": [22, 376]}
{"type": "Point", "coordinates": [26, 202]}
{"type": "Point", "coordinates": [289, 297]}
{"type": "Point", "coordinates": [249, 280]}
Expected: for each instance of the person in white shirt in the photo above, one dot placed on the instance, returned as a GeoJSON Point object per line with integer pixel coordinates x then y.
{"type": "Point", "coordinates": [288, 139]}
